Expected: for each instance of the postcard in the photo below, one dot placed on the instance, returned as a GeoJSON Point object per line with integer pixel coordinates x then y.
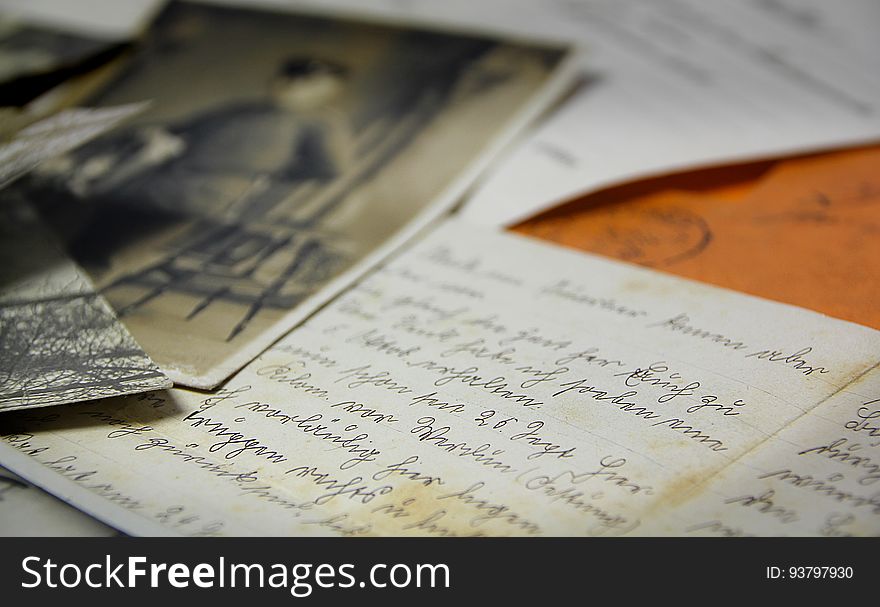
{"type": "Point", "coordinates": [28, 511]}
{"type": "Point", "coordinates": [484, 383]}
{"type": "Point", "coordinates": [282, 156]}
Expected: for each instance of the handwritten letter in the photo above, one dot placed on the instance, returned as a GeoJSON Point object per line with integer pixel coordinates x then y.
{"type": "Point", "coordinates": [486, 384]}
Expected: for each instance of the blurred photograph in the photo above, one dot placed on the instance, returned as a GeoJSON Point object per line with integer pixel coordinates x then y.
{"type": "Point", "coordinates": [278, 151]}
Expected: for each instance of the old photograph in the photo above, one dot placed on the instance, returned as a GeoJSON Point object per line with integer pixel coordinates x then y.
{"type": "Point", "coordinates": [278, 152]}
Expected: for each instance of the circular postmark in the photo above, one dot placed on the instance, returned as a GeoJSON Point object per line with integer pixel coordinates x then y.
{"type": "Point", "coordinates": [655, 235]}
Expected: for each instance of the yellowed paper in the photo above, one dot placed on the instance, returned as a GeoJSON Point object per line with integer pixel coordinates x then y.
{"type": "Point", "coordinates": [29, 512]}
{"type": "Point", "coordinates": [819, 476]}
{"type": "Point", "coordinates": [480, 384]}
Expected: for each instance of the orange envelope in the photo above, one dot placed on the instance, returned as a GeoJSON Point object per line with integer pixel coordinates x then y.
{"type": "Point", "coordinates": [804, 231]}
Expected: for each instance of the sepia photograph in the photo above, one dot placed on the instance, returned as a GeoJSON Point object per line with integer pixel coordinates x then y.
{"type": "Point", "coordinates": [277, 152]}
